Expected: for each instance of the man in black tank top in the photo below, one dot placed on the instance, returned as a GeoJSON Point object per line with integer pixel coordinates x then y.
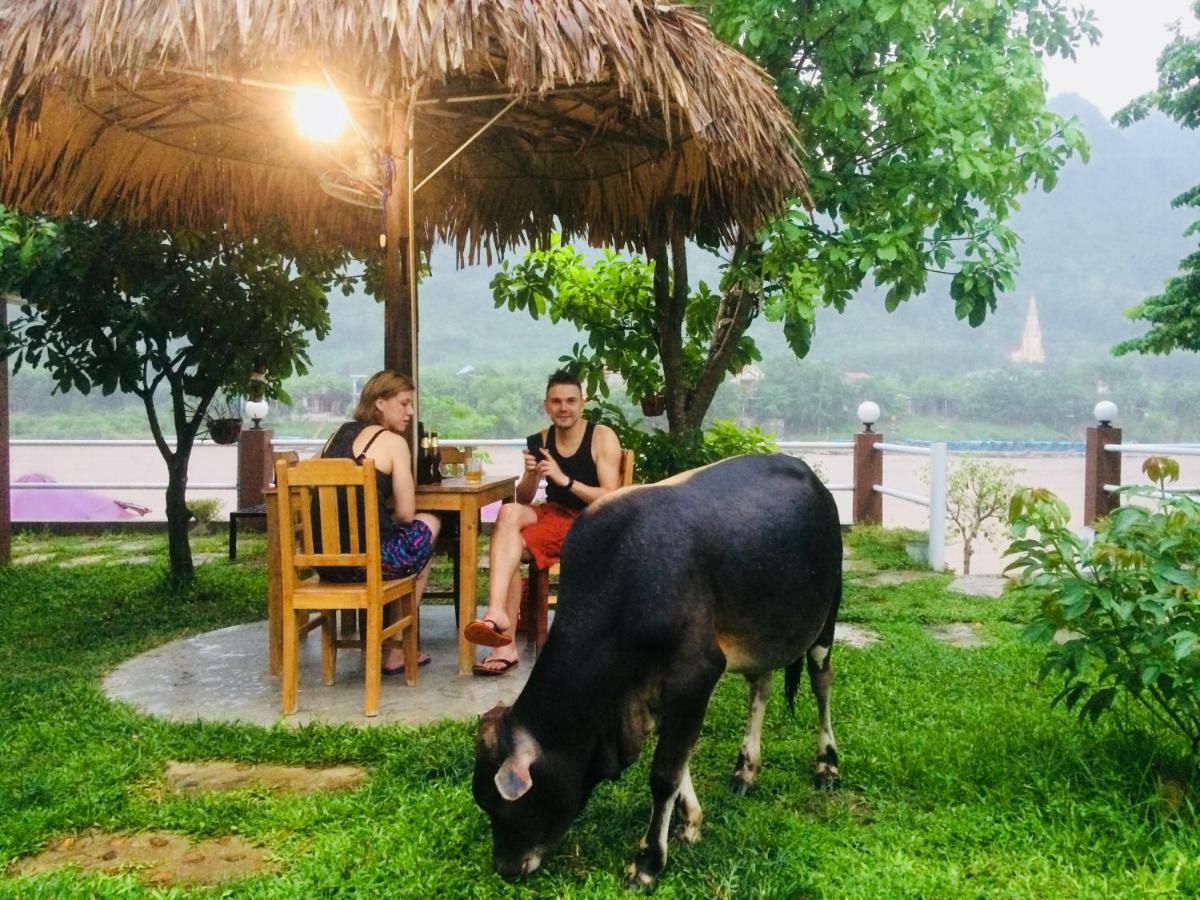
{"type": "Point", "coordinates": [580, 462]}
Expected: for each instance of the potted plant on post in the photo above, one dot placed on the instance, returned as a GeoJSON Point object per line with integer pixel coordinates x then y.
{"type": "Point", "coordinates": [224, 421]}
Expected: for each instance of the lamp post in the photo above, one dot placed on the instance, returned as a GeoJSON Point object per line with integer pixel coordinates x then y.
{"type": "Point", "coordinates": [868, 468]}
{"type": "Point", "coordinates": [1101, 466]}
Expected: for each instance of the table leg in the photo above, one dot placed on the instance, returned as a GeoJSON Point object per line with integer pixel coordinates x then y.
{"type": "Point", "coordinates": [468, 569]}
{"type": "Point", "coordinates": [274, 590]}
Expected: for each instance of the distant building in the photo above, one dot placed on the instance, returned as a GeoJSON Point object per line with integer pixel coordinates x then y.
{"type": "Point", "coordinates": [1031, 350]}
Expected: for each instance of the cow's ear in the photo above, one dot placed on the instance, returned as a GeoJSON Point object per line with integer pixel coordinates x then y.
{"type": "Point", "coordinates": [513, 780]}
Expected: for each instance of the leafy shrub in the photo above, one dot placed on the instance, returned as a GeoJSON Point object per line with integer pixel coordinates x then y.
{"type": "Point", "coordinates": [204, 509]}
{"type": "Point", "coordinates": [1129, 601]}
{"type": "Point", "coordinates": [658, 454]}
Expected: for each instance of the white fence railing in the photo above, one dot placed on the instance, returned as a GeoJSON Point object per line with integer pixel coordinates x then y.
{"type": "Point", "coordinates": [936, 501]}
{"type": "Point", "coordinates": [1155, 450]}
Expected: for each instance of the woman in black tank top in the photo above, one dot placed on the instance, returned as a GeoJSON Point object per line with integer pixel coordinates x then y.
{"type": "Point", "coordinates": [406, 537]}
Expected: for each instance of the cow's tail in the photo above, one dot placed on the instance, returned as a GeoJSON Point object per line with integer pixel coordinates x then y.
{"type": "Point", "coordinates": [791, 683]}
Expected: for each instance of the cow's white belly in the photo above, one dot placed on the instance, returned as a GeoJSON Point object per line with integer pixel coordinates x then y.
{"type": "Point", "coordinates": [747, 657]}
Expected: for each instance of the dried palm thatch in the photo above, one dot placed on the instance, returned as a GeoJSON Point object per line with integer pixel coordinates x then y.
{"type": "Point", "coordinates": [176, 113]}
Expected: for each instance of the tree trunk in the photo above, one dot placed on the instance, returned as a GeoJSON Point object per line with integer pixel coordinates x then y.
{"type": "Point", "coordinates": [179, 549]}
{"type": "Point", "coordinates": [967, 554]}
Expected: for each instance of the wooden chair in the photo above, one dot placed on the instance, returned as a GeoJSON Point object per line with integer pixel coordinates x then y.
{"type": "Point", "coordinates": [329, 479]}
{"type": "Point", "coordinates": [536, 601]}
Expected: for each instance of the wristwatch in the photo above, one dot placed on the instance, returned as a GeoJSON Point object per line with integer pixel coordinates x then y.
{"type": "Point", "coordinates": [570, 483]}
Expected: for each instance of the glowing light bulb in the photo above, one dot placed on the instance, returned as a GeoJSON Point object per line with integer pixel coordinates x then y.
{"type": "Point", "coordinates": [320, 113]}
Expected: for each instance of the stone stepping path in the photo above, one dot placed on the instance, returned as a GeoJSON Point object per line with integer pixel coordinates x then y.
{"type": "Point", "coordinates": [29, 559]}
{"type": "Point", "coordinates": [158, 858]}
{"type": "Point", "coordinates": [958, 634]}
{"type": "Point", "coordinates": [201, 559]}
{"type": "Point", "coordinates": [129, 560]}
{"type": "Point", "coordinates": [857, 565]}
{"type": "Point", "coordinates": [894, 578]}
{"type": "Point", "coordinates": [979, 585]}
{"type": "Point", "coordinates": [856, 636]}
{"type": "Point", "coordinates": [224, 775]}
{"type": "Point", "coordinates": [82, 560]}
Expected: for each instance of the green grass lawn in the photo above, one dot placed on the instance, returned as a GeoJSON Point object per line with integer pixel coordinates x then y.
{"type": "Point", "coordinates": [958, 778]}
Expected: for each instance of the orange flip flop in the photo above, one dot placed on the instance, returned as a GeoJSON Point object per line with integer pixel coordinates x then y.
{"type": "Point", "coordinates": [486, 633]}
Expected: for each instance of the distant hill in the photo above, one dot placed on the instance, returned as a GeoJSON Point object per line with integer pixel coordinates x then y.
{"type": "Point", "coordinates": [1100, 242]}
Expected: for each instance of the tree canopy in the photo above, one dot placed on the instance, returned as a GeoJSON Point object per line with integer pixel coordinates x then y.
{"type": "Point", "coordinates": [922, 123]}
{"type": "Point", "coordinates": [124, 308]}
{"type": "Point", "coordinates": [1174, 315]}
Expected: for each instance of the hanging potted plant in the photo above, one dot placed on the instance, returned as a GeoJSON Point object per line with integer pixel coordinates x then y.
{"type": "Point", "coordinates": [654, 405]}
{"type": "Point", "coordinates": [224, 421]}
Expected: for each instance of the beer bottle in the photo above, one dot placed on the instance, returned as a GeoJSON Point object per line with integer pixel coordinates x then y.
{"type": "Point", "coordinates": [424, 461]}
{"type": "Point", "coordinates": [435, 456]}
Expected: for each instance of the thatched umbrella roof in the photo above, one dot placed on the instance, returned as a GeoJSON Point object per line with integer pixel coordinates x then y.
{"type": "Point", "coordinates": [176, 112]}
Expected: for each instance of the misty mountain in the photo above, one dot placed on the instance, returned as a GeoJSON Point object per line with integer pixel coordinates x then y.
{"type": "Point", "coordinates": [1102, 240]}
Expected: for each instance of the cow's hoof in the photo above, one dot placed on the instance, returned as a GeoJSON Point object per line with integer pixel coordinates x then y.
{"type": "Point", "coordinates": [826, 778]}
{"type": "Point", "coordinates": [638, 880]}
{"type": "Point", "coordinates": [740, 785]}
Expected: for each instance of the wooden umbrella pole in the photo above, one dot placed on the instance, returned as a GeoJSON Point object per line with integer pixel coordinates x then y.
{"type": "Point", "coordinates": [399, 296]}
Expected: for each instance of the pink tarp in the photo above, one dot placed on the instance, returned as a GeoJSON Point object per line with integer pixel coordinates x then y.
{"type": "Point", "coordinates": [67, 504]}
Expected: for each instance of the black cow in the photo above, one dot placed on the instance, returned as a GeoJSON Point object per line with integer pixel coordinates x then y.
{"type": "Point", "coordinates": [735, 566]}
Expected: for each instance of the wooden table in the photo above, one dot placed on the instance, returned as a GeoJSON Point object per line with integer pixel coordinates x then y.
{"type": "Point", "coordinates": [457, 495]}
{"type": "Point", "coordinates": [452, 495]}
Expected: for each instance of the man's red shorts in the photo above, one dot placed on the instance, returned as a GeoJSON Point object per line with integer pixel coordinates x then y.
{"type": "Point", "coordinates": [544, 538]}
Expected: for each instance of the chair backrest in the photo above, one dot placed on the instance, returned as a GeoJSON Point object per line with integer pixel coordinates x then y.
{"type": "Point", "coordinates": [321, 543]}
{"type": "Point", "coordinates": [287, 457]}
{"type": "Point", "coordinates": [627, 458]}
{"type": "Point", "coordinates": [452, 456]}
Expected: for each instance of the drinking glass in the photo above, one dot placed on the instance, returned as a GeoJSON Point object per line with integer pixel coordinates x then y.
{"type": "Point", "coordinates": [474, 469]}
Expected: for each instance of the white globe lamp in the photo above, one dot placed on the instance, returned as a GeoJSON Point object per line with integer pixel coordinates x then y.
{"type": "Point", "coordinates": [868, 413]}
{"type": "Point", "coordinates": [257, 410]}
{"type": "Point", "coordinates": [1105, 412]}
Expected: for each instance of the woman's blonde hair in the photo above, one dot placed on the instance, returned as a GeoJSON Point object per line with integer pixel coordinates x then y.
{"type": "Point", "coordinates": [381, 386]}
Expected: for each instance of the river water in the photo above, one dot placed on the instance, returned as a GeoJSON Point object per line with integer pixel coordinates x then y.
{"type": "Point", "coordinates": [212, 464]}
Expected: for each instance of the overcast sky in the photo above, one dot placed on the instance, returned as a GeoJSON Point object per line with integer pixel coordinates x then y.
{"type": "Point", "coordinates": [1121, 66]}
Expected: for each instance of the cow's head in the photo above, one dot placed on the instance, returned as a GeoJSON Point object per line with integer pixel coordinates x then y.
{"type": "Point", "coordinates": [531, 797]}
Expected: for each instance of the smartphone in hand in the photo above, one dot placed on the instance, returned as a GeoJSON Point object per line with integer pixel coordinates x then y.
{"type": "Point", "coordinates": [533, 444]}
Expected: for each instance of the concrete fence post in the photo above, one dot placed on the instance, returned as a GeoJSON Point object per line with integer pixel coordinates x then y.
{"type": "Point", "coordinates": [868, 472]}
{"type": "Point", "coordinates": [938, 474]}
{"type": "Point", "coordinates": [1100, 467]}
{"type": "Point", "coordinates": [254, 466]}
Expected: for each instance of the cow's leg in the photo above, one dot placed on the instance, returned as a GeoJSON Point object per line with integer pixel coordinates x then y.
{"type": "Point", "coordinates": [683, 708]}
{"type": "Point", "coordinates": [820, 674]}
{"type": "Point", "coordinates": [687, 808]}
{"type": "Point", "coordinates": [745, 770]}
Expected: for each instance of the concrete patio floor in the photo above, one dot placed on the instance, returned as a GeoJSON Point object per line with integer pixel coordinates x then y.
{"type": "Point", "coordinates": [221, 676]}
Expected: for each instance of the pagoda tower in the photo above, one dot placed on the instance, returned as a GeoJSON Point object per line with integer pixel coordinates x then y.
{"type": "Point", "coordinates": [1031, 350]}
